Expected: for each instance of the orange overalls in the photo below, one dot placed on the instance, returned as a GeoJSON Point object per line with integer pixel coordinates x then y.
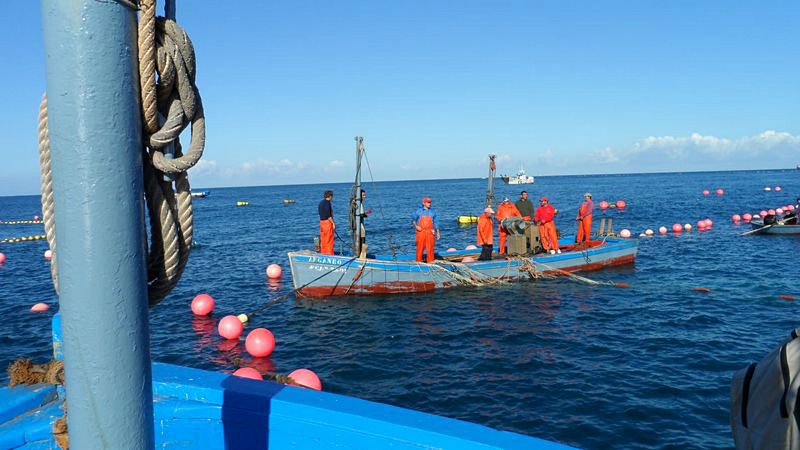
{"type": "Point", "coordinates": [584, 224]}
{"type": "Point", "coordinates": [485, 231]}
{"type": "Point", "coordinates": [505, 210]}
{"type": "Point", "coordinates": [547, 228]}
{"type": "Point", "coordinates": [326, 237]}
{"type": "Point", "coordinates": [425, 238]}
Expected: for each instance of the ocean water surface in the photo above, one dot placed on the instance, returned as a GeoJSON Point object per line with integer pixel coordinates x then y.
{"type": "Point", "coordinates": [643, 367]}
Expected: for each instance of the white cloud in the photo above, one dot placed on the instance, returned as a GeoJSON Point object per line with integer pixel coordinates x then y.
{"type": "Point", "coordinates": [336, 163]}
{"type": "Point", "coordinates": [265, 166]}
{"type": "Point", "coordinates": [695, 146]}
{"type": "Point", "coordinates": [204, 166]}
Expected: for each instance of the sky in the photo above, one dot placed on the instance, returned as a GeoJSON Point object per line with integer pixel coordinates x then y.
{"type": "Point", "coordinates": [561, 88]}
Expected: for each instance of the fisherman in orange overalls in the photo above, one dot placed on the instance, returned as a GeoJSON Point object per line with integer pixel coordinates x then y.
{"type": "Point", "coordinates": [584, 219]}
{"type": "Point", "coordinates": [505, 210]}
{"type": "Point", "coordinates": [326, 224]}
{"type": "Point", "coordinates": [427, 226]}
{"type": "Point", "coordinates": [486, 234]}
{"type": "Point", "coordinates": [544, 216]}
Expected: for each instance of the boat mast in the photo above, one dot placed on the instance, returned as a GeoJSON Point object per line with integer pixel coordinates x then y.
{"type": "Point", "coordinates": [356, 218]}
{"type": "Point", "coordinates": [490, 189]}
{"type": "Point", "coordinates": [94, 127]}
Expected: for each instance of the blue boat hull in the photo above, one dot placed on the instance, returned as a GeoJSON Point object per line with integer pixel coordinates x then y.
{"type": "Point", "coordinates": [317, 275]}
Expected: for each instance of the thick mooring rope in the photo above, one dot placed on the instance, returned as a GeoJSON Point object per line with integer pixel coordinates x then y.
{"type": "Point", "coordinates": [167, 75]}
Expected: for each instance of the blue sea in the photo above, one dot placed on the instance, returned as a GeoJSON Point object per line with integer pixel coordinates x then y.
{"type": "Point", "coordinates": [643, 367]}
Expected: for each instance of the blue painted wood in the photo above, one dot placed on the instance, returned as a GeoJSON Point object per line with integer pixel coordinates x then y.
{"type": "Point", "coordinates": [208, 410]}
{"type": "Point", "coordinates": [27, 414]}
{"type": "Point", "coordinates": [95, 135]}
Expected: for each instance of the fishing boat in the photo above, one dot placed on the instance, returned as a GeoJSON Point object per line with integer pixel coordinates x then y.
{"type": "Point", "coordinates": [520, 178]}
{"type": "Point", "coordinates": [316, 275]}
{"type": "Point", "coordinates": [359, 273]}
{"type": "Point", "coordinates": [202, 194]}
{"type": "Point", "coordinates": [776, 227]}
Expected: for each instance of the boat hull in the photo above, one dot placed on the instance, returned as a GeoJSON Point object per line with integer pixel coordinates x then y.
{"type": "Point", "coordinates": [316, 275]}
{"type": "Point", "coordinates": [779, 229]}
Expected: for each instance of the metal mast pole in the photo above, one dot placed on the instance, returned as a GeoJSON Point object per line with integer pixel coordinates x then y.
{"type": "Point", "coordinates": [96, 144]}
{"type": "Point", "coordinates": [357, 219]}
{"type": "Point", "coordinates": [490, 189]}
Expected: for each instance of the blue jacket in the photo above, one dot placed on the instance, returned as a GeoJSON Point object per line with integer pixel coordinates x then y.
{"type": "Point", "coordinates": [426, 212]}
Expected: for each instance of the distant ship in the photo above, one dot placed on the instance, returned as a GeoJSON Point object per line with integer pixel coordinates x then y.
{"type": "Point", "coordinates": [520, 178]}
{"type": "Point", "coordinates": [202, 194]}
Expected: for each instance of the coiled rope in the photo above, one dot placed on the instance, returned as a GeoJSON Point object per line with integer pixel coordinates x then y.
{"type": "Point", "coordinates": [167, 76]}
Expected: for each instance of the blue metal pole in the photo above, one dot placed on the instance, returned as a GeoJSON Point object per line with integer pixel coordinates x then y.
{"type": "Point", "coordinates": [95, 136]}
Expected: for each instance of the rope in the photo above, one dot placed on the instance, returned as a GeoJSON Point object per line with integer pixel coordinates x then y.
{"type": "Point", "coordinates": [380, 207]}
{"type": "Point", "coordinates": [167, 77]}
{"type": "Point", "coordinates": [582, 279]}
{"type": "Point", "coordinates": [273, 302]}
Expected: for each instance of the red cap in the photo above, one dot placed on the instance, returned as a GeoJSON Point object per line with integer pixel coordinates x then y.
{"type": "Point", "coordinates": [543, 199]}
{"type": "Point", "coordinates": [426, 200]}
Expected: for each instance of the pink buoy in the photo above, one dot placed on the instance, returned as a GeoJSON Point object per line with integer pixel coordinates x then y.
{"type": "Point", "coordinates": [306, 378]}
{"type": "Point", "coordinates": [48, 254]}
{"type": "Point", "coordinates": [720, 191]}
{"type": "Point", "coordinates": [202, 304]}
{"type": "Point", "coordinates": [677, 228]}
{"type": "Point", "coordinates": [771, 211]}
{"type": "Point", "coordinates": [790, 207]}
{"type": "Point", "coordinates": [260, 343]}
{"type": "Point", "coordinates": [701, 225]}
{"type": "Point", "coordinates": [2, 258]}
{"type": "Point", "coordinates": [230, 327]}
{"type": "Point", "coordinates": [36, 218]}
{"type": "Point", "coordinates": [763, 213]}
{"type": "Point", "coordinates": [779, 211]}
{"type": "Point", "coordinates": [471, 247]}
{"type": "Point", "coordinates": [687, 227]}
{"type": "Point", "coordinates": [662, 230]}
{"type": "Point", "coordinates": [40, 307]}
{"type": "Point", "coordinates": [778, 188]}
{"type": "Point", "coordinates": [603, 204]}
{"type": "Point", "coordinates": [248, 372]}
{"type": "Point", "coordinates": [736, 218]}
{"type": "Point", "coordinates": [621, 204]}
{"type": "Point", "coordinates": [746, 217]}
{"type": "Point", "coordinates": [468, 259]}
{"type": "Point", "coordinates": [625, 233]}
{"type": "Point", "coordinates": [706, 192]}
{"type": "Point", "coordinates": [274, 271]}
{"type": "Point", "coordinates": [708, 223]}
{"type": "Point", "coordinates": [451, 249]}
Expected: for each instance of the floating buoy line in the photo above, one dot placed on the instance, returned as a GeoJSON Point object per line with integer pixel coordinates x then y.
{"type": "Point", "coordinates": [22, 239]}
{"type": "Point", "coordinates": [21, 222]}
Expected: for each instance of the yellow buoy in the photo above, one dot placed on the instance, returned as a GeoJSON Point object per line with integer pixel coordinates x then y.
{"type": "Point", "coordinates": [241, 203]}
{"type": "Point", "coordinates": [287, 201]}
{"type": "Point", "coordinates": [467, 219]}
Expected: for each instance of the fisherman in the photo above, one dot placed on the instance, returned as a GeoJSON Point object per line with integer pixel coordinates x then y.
{"type": "Point", "coordinates": [584, 219]}
{"type": "Point", "coordinates": [326, 224]}
{"type": "Point", "coordinates": [427, 226]}
{"type": "Point", "coordinates": [486, 234]}
{"type": "Point", "coordinates": [544, 216]}
{"type": "Point", "coordinates": [505, 210]}
{"type": "Point", "coordinates": [525, 206]}
{"type": "Point", "coordinates": [793, 217]}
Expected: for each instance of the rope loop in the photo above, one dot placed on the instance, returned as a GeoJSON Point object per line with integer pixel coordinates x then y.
{"type": "Point", "coordinates": [167, 70]}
